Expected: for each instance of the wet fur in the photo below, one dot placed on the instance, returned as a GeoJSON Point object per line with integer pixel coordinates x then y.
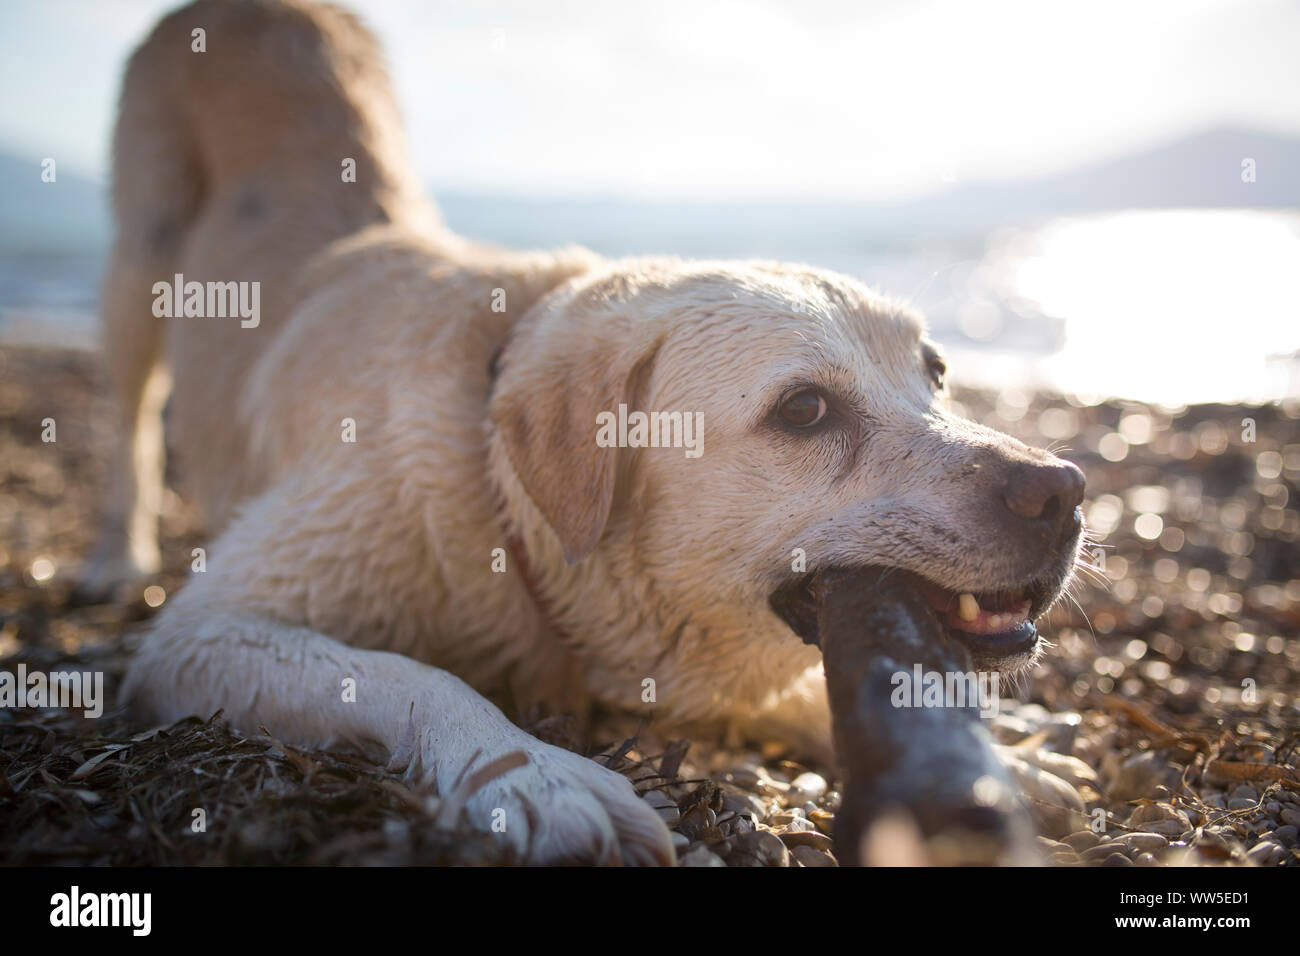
{"type": "Point", "coordinates": [372, 561]}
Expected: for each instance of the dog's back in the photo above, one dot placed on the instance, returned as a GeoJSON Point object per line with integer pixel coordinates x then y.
{"type": "Point", "coordinates": [251, 134]}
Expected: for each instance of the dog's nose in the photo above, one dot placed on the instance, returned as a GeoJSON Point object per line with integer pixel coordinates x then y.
{"type": "Point", "coordinates": [1044, 491]}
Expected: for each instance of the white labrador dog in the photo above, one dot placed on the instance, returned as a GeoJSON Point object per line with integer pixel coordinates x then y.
{"type": "Point", "coordinates": [402, 442]}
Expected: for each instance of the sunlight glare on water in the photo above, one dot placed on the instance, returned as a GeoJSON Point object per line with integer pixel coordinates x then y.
{"type": "Point", "coordinates": [1170, 306]}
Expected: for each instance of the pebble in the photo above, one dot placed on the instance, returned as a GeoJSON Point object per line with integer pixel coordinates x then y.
{"type": "Point", "coordinates": [1083, 840]}
{"type": "Point", "coordinates": [1090, 747]}
{"type": "Point", "coordinates": [743, 823]}
{"type": "Point", "coordinates": [1057, 807]}
{"type": "Point", "coordinates": [1167, 828]}
{"type": "Point", "coordinates": [668, 815]}
{"type": "Point", "coordinates": [825, 822]}
{"type": "Point", "coordinates": [1265, 853]}
{"type": "Point", "coordinates": [1286, 835]}
{"type": "Point", "coordinates": [745, 776]}
{"type": "Point", "coordinates": [1158, 811]}
{"type": "Point", "coordinates": [806, 787]}
{"type": "Point", "coordinates": [797, 808]}
{"type": "Point", "coordinates": [1102, 851]}
{"type": "Point", "coordinates": [818, 841]}
{"type": "Point", "coordinates": [1139, 775]}
{"type": "Point", "coordinates": [756, 777]}
{"type": "Point", "coordinates": [1143, 841]}
{"type": "Point", "coordinates": [745, 803]}
{"type": "Point", "coordinates": [1009, 729]}
{"type": "Point", "coordinates": [658, 799]}
{"type": "Point", "coordinates": [1034, 714]}
{"type": "Point", "coordinates": [1070, 769]}
{"type": "Point", "coordinates": [701, 855]}
{"type": "Point", "coordinates": [1147, 813]}
{"type": "Point", "coordinates": [696, 820]}
{"type": "Point", "coordinates": [1217, 837]}
{"type": "Point", "coordinates": [760, 848]}
{"type": "Point", "coordinates": [1021, 721]}
{"type": "Point", "coordinates": [807, 856]}
{"type": "Point", "coordinates": [799, 825]}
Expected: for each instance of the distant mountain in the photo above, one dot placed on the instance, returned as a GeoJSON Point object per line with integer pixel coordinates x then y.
{"type": "Point", "coordinates": [1204, 170]}
{"type": "Point", "coordinates": [67, 216]}
{"type": "Point", "coordinates": [1201, 171]}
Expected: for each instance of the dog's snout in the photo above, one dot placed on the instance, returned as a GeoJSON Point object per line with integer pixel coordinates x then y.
{"type": "Point", "coordinates": [1044, 491]}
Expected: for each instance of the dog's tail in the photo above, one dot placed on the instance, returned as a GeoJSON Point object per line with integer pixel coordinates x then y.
{"type": "Point", "coordinates": [231, 94]}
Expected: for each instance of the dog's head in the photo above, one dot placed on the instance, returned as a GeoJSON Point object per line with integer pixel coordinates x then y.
{"type": "Point", "coordinates": [826, 442]}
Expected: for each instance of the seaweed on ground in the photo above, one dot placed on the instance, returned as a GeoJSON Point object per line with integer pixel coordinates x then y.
{"type": "Point", "coordinates": [1169, 698]}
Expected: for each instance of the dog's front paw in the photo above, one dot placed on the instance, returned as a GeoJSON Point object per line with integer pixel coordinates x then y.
{"type": "Point", "coordinates": [559, 807]}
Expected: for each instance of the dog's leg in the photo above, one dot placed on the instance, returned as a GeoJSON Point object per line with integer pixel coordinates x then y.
{"type": "Point", "coordinates": [249, 636]}
{"type": "Point", "coordinates": [157, 190]}
{"type": "Point", "coordinates": [127, 547]}
{"type": "Point", "coordinates": [308, 689]}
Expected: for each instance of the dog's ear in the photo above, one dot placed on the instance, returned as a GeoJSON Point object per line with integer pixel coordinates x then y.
{"type": "Point", "coordinates": [550, 389]}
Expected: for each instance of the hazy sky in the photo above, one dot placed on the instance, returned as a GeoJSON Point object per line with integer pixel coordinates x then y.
{"type": "Point", "coordinates": [704, 99]}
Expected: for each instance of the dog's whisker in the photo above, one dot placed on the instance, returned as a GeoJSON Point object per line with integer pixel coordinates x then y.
{"type": "Point", "coordinates": [1086, 619]}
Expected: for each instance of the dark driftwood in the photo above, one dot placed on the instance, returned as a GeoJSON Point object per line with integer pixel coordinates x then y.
{"type": "Point", "coordinates": [925, 760]}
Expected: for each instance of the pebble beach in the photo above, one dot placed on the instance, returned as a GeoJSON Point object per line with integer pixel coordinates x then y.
{"type": "Point", "coordinates": [1167, 704]}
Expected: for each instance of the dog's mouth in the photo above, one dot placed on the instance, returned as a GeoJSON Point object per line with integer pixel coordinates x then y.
{"type": "Point", "coordinates": [997, 626]}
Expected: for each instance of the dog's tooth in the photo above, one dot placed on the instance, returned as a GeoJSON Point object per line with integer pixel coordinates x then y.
{"type": "Point", "coordinates": [967, 607]}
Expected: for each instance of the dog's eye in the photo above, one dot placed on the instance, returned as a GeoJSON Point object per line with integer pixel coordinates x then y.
{"type": "Point", "coordinates": [803, 409]}
{"type": "Point", "coordinates": [937, 371]}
